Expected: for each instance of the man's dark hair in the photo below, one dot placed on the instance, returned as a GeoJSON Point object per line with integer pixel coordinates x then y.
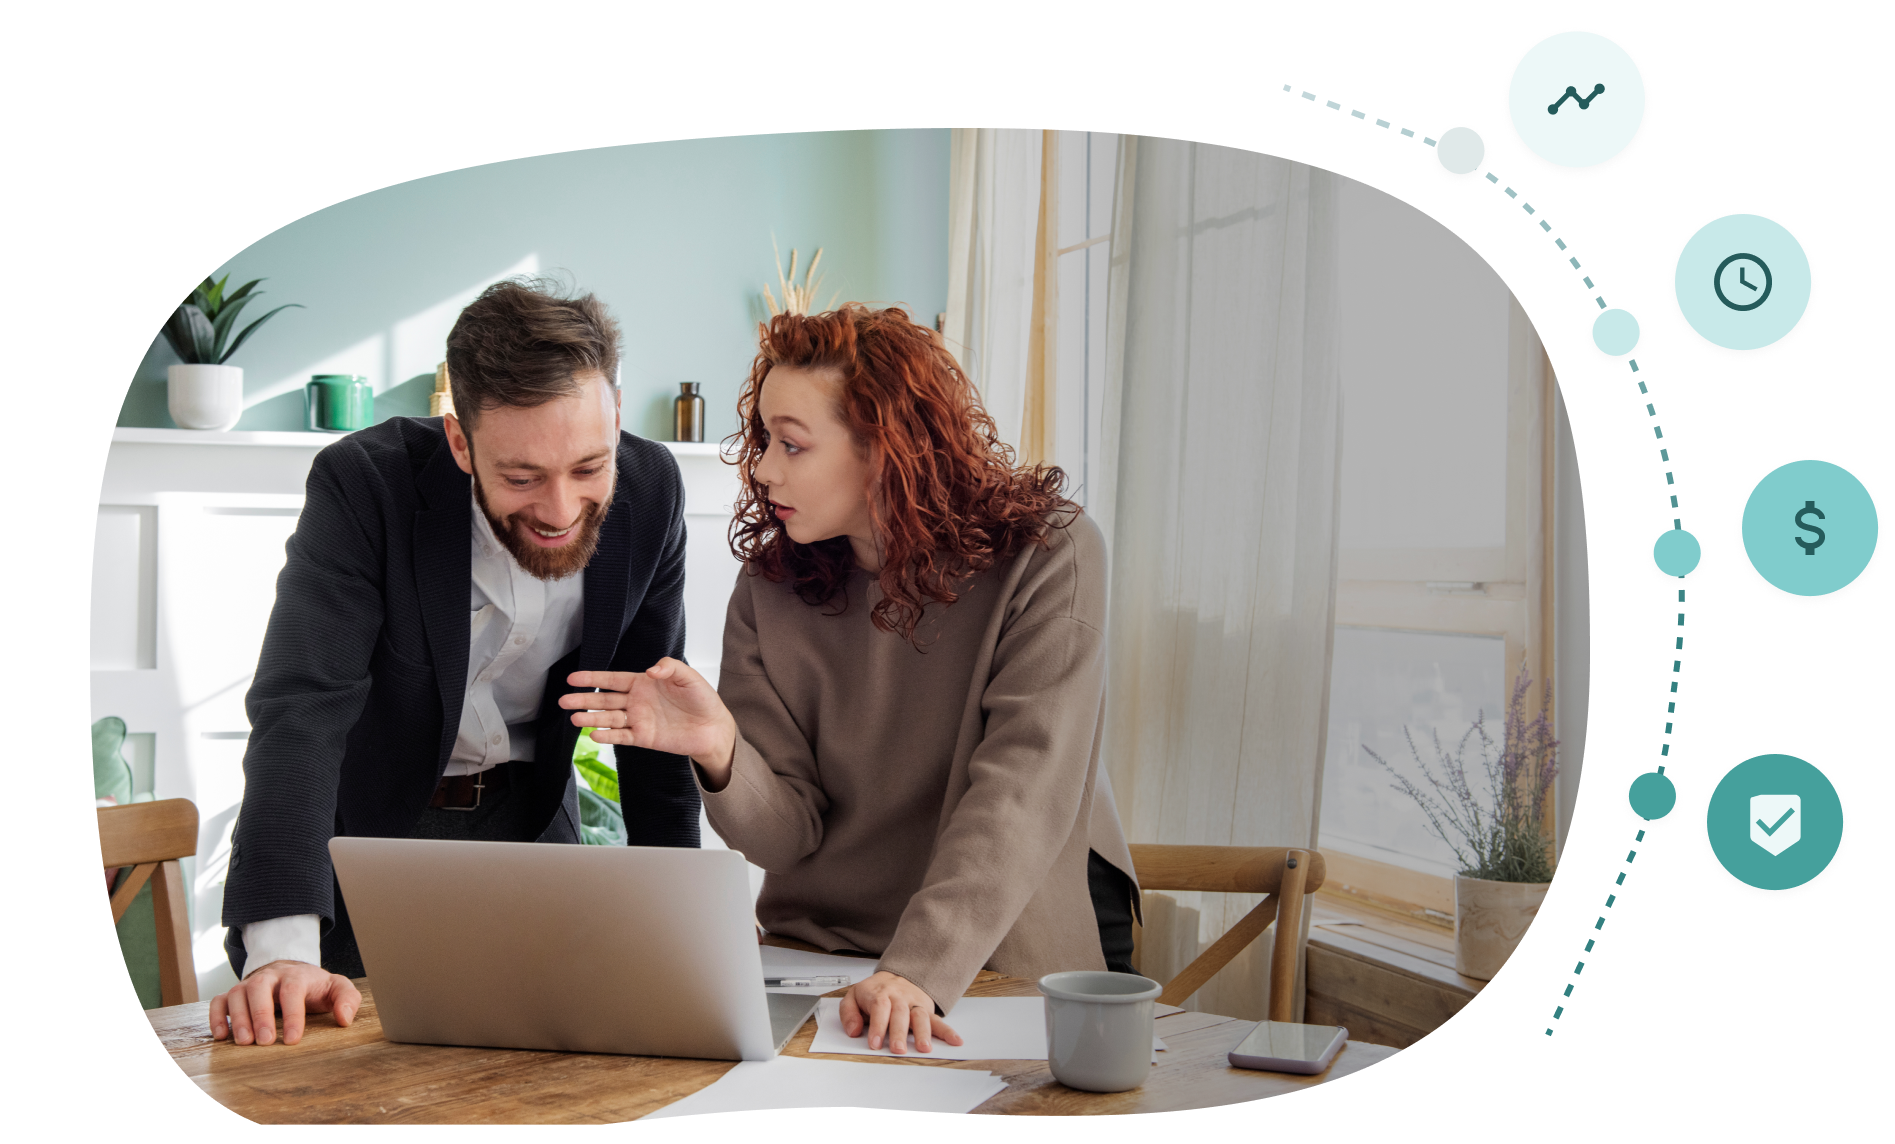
{"type": "Point", "coordinates": [520, 343]}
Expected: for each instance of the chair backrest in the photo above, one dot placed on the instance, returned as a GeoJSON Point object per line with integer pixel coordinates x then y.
{"type": "Point", "coordinates": [1286, 874]}
{"type": "Point", "coordinates": [150, 837]}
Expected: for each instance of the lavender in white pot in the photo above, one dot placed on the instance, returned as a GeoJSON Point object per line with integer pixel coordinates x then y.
{"type": "Point", "coordinates": [1493, 821]}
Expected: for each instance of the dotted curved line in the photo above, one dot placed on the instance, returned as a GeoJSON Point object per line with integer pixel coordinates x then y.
{"type": "Point", "coordinates": [1664, 457]}
{"type": "Point", "coordinates": [1579, 968]}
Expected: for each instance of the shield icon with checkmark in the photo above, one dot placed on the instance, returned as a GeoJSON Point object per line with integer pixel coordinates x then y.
{"type": "Point", "coordinates": [1776, 821]}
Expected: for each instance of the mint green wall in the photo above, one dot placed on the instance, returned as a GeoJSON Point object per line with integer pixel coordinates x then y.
{"type": "Point", "coordinates": [674, 237]}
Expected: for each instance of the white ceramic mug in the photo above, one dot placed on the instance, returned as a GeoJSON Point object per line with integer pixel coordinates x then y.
{"type": "Point", "coordinates": [1099, 1028]}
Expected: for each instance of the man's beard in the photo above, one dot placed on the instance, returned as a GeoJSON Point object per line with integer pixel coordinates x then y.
{"type": "Point", "coordinates": [550, 563]}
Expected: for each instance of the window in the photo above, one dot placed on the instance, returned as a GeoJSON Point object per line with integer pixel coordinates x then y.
{"type": "Point", "coordinates": [1444, 565]}
{"type": "Point", "coordinates": [1446, 530]}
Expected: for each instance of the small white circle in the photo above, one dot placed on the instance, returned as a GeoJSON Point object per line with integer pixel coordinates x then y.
{"type": "Point", "coordinates": [1461, 150]}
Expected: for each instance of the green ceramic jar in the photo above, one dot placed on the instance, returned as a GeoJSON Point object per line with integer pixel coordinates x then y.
{"type": "Point", "coordinates": [340, 403]}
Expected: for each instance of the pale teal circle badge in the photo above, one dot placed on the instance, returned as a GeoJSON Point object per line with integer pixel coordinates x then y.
{"type": "Point", "coordinates": [1460, 150]}
{"type": "Point", "coordinates": [1743, 282]}
{"type": "Point", "coordinates": [1577, 99]}
{"type": "Point", "coordinates": [1615, 332]}
{"type": "Point", "coordinates": [1810, 527]}
{"type": "Point", "coordinates": [1774, 821]}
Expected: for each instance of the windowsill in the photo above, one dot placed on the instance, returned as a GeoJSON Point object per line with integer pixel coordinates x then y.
{"type": "Point", "coordinates": [1388, 980]}
{"type": "Point", "coordinates": [1418, 950]}
{"type": "Point", "coordinates": [1412, 896]}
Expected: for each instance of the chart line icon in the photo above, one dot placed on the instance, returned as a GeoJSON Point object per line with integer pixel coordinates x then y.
{"type": "Point", "coordinates": [1572, 93]}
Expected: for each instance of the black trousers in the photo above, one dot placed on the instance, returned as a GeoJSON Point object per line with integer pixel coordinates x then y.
{"type": "Point", "coordinates": [1112, 906]}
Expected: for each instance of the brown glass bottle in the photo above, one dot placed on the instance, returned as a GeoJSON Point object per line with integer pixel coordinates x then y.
{"type": "Point", "coordinates": [687, 414]}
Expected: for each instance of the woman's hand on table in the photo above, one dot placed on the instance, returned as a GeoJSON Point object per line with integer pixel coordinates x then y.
{"type": "Point", "coordinates": [890, 1007]}
{"type": "Point", "coordinates": [668, 708]}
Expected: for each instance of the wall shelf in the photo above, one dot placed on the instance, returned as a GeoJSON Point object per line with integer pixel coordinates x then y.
{"type": "Point", "coordinates": [126, 435]}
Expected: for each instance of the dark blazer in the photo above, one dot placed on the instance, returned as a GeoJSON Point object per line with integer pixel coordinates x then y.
{"type": "Point", "coordinates": [357, 697]}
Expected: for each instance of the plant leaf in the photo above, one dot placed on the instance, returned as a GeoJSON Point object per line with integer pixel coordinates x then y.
{"type": "Point", "coordinates": [177, 331]}
{"type": "Point", "coordinates": [252, 328]}
{"type": "Point", "coordinates": [242, 291]}
{"type": "Point", "coordinates": [600, 822]}
{"type": "Point", "coordinates": [224, 319]}
{"type": "Point", "coordinates": [111, 774]}
{"type": "Point", "coordinates": [601, 778]}
{"type": "Point", "coordinates": [194, 335]}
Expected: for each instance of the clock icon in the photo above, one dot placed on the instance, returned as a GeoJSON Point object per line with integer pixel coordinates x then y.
{"type": "Point", "coordinates": [1742, 281]}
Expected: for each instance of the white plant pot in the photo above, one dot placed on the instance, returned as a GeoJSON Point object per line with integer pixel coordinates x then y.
{"type": "Point", "coordinates": [204, 396]}
{"type": "Point", "coordinates": [1490, 918]}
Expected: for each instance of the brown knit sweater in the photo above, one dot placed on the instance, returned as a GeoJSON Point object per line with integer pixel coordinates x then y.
{"type": "Point", "coordinates": [933, 806]}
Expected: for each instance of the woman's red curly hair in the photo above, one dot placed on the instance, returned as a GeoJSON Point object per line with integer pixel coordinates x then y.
{"type": "Point", "coordinates": [952, 502]}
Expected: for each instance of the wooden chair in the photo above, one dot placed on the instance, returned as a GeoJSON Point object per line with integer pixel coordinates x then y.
{"type": "Point", "coordinates": [1286, 874]}
{"type": "Point", "coordinates": [150, 837]}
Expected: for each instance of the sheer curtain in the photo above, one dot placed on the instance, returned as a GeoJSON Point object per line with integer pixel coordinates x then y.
{"type": "Point", "coordinates": [1221, 439]}
{"type": "Point", "coordinates": [994, 240]}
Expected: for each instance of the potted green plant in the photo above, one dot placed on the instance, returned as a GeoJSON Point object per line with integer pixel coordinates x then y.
{"type": "Point", "coordinates": [201, 391]}
{"type": "Point", "coordinates": [1493, 822]}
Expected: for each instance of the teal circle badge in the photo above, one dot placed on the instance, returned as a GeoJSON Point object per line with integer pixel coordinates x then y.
{"type": "Point", "coordinates": [1775, 821]}
{"type": "Point", "coordinates": [1676, 552]}
{"type": "Point", "coordinates": [1653, 795]}
{"type": "Point", "coordinates": [1743, 282]}
{"type": "Point", "coordinates": [1577, 99]}
{"type": "Point", "coordinates": [1810, 527]}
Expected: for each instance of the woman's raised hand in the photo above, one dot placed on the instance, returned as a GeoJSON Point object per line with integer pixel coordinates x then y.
{"type": "Point", "coordinates": [669, 708]}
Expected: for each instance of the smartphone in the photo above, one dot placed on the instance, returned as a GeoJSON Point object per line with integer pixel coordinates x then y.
{"type": "Point", "coordinates": [1282, 1046]}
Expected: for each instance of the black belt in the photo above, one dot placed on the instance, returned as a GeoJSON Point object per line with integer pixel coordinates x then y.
{"type": "Point", "coordinates": [463, 792]}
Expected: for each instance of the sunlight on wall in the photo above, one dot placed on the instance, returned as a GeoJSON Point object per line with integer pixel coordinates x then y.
{"type": "Point", "coordinates": [419, 342]}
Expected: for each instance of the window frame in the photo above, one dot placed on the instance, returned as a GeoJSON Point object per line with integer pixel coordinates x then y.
{"type": "Point", "coordinates": [1503, 592]}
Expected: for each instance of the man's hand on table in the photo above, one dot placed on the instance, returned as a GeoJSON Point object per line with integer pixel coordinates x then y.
{"type": "Point", "coordinates": [890, 1007]}
{"type": "Point", "coordinates": [297, 986]}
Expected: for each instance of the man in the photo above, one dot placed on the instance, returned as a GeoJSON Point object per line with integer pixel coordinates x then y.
{"type": "Point", "coordinates": [425, 628]}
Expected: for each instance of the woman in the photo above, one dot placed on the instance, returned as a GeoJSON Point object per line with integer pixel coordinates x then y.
{"type": "Point", "coordinates": [905, 734]}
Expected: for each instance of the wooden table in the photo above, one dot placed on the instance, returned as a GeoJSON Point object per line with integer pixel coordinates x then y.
{"type": "Point", "coordinates": [352, 1075]}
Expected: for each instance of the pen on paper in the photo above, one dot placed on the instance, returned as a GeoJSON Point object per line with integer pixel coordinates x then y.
{"type": "Point", "coordinates": [803, 982]}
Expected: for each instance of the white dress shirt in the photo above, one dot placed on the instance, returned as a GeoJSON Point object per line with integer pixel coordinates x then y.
{"type": "Point", "coordinates": [519, 627]}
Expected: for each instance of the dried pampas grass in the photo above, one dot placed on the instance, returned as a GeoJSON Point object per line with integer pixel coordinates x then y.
{"type": "Point", "coordinates": [796, 299]}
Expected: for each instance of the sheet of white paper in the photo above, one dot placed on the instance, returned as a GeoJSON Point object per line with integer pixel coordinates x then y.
{"type": "Point", "coordinates": [796, 1082]}
{"type": "Point", "coordinates": [991, 1029]}
{"type": "Point", "coordinates": [801, 962]}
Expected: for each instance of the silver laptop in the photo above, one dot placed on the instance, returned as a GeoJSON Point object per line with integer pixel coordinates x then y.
{"type": "Point", "coordinates": [592, 949]}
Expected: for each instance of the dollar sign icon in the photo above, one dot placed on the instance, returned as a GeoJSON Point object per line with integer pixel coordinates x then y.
{"type": "Point", "coordinates": [1809, 547]}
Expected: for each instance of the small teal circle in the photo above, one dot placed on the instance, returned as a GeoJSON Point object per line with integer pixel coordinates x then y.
{"type": "Point", "coordinates": [1774, 821]}
{"type": "Point", "coordinates": [1653, 795]}
{"type": "Point", "coordinates": [1460, 150]}
{"type": "Point", "coordinates": [1615, 332]}
{"type": "Point", "coordinates": [1810, 527]}
{"type": "Point", "coordinates": [1676, 552]}
{"type": "Point", "coordinates": [1743, 282]}
{"type": "Point", "coordinates": [1577, 99]}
